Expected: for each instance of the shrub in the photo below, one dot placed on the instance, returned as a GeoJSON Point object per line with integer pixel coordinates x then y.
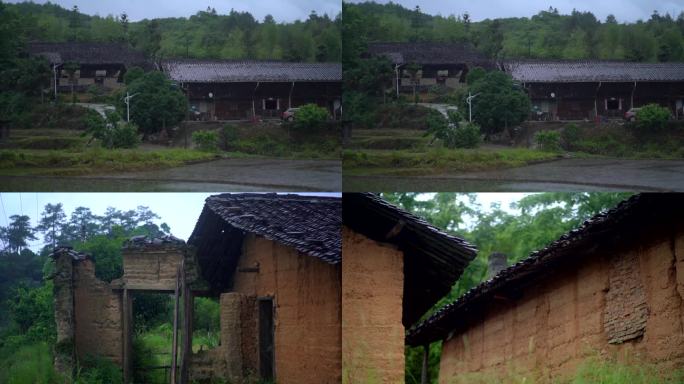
{"type": "Point", "coordinates": [125, 135]}
{"type": "Point", "coordinates": [466, 135]}
{"type": "Point", "coordinates": [652, 117]}
{"type": "Point", "coordinates": [310, 116]}
{"type": "Point", "coordinates": [548, 141]}
{"type": "Point", "coordinates": [453, 134]}
{"type": "Point", "coordinates": [98, 370]}
{"type": "Point", "coordinates": [229, 135]}
{"type": "Point", "coordinates": [205, 140]}
{"type": "Point", "coordinates": [570, 136]}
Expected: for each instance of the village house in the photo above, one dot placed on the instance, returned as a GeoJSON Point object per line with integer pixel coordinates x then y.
{"type": "Point", "coordinates": [425, 65]}
{"type": "Point", "coordinates": [226, 90]}
{"type": "Point", "coordinates": [583, 90]}
{"type": "Point", "coordinates": [611, 288]}
{"type": "Point", "coordinates": [81, 65]}
{"type": "Point", "coordinates": [274, 262]}
{"type": "Point", "coordinates": [396, 266]}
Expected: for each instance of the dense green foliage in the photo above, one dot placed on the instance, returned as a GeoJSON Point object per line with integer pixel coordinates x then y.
{"type": "Point", "coordinates": [220, 34]}
{"type": "Point", "coordinates": [548, 141]}
{"type": "Point", "coordinates": [652, 117]}
{"type": "Point", "coordinates": [310, 117]}
{"type": "Point", "coordinates": [498, 103]}
{"type": "Point", "coordinates": [531, 223]}
{"type": "Point", "coordinates": [452, 132]}
{"type": "Point", "coordinates": [546, 35]}
{"type": "Point", "coordinates": [112, 132]}
{"type": "Point", "coordinates": [206, 140]}
{"type": "Point", "coordinates": [156, 102]}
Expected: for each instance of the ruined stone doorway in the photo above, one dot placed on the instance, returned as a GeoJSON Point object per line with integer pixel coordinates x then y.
{"type": "Point", "coordinates": [266, 338]}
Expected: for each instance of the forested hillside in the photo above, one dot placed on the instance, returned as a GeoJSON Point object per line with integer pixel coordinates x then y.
{"type": "Point", "coordinates": [546, 35]}
{"type": "Point", "coordinates": [212, 33]}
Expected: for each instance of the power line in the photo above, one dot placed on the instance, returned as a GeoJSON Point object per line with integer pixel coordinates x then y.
{"type": "Point", "coordinates": [21, 206]}
{"type": "Point", "coordinates": [4, 246]}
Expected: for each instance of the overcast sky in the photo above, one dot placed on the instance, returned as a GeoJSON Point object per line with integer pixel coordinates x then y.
{"type": "Point", "coordinates": [179, 210]}
{"type": "Point", "coordinates": [624, 10]}
{"type": "Point", "coordinates": [281, 10]}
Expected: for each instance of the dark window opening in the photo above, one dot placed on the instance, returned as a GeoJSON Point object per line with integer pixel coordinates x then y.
{"type": "Point", "coordinates": [270, 104]}
{"type": "Point", "coordinates": [612, 104]}
{"type": "Point", "coordinates": [266, 339]}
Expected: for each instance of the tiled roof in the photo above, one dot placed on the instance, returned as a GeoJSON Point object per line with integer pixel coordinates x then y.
{"type": "Point", "coordinates": [310, 224]}
{"type": "Point", "coordinates": [615, 227]}
{"type": "Point", "coordinates": [65, 249]}
{"type": "Point", "coordinates": [593, 71]}
{"type": "Point", "coordinates": [145, 241]}
{"type": "Point", "coordinates": [217, 71]}
{"type": "Point", "coordinates": [433, 261]}
{"type": "Point", "coordinates": [427, 53]}
{"type": "Point", "coordinates": [88, 53]}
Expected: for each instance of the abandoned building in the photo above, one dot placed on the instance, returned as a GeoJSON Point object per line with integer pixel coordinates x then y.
{"type": "Point", "coordinates": [425, 65]}
{"type": "Point", "coordinates": [273, 261]}
{"type": "Point", "coordinates": [228, 90]}
{"type": "Point", "coordinates": [81, 65]}
{"type": "Point", "coordinates": [396, 266]}
{"type": "Point", "coordinates": [583, 90]}
{"type": "Point", "coordinates": [614, 286]}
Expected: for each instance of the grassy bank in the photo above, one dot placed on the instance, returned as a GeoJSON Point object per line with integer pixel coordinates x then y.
{"type": "Point", "coordinates": [15, 162]}
{"type": "Point", "coordinates": [437, 160]}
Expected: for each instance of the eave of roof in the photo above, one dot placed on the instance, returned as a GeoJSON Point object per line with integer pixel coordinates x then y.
{"type": "Point", "coordinates": [618, 224]}
{"type": "Point", "coordinates": [434, 259]}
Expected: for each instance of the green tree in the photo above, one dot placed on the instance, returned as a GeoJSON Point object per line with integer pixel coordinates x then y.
{"type": "Point", "coordinates": [51, 223]}
{"type": "Point", "coordinates": [17, 233]}
{"type": "Point", "coordinates": [158, 102]}
{"type": "Point", "coordinates": [500, 103]}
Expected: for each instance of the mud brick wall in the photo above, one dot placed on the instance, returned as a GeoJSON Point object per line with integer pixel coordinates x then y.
{"type": "Point", "coordinates": [372, 297]}
{"type": "Point", "coordinates": [64, 314]}
{"type": "Point", "coordinates": [98, 315]}
{"type": "Point", "coordinates": [626, 309]}
{"type": "Point", "coordinates": [153, 267]}
{"type": "Point", "coordinates": [632, 295]}
{"type": "Point", "coordinates": [306, 293]}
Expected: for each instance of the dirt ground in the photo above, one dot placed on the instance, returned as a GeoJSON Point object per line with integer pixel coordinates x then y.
{"type": "Point", "coordinates": [227, 175]}
{"type": "Point", "coordinates": [560, 175]}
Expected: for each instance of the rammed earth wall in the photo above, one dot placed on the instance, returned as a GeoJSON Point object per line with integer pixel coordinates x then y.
{"type": "Point", "coordinates": [372, 297]}
{"type": "Point", "coordinates": [628, 301]}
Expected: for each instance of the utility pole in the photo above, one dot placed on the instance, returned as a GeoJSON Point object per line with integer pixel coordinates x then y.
{"type": "Point", "coordinates": [469, 100]}
{"type": "Point", "coordinates": [127, 100]}
{"type": "Point", "coordinates": [396, 71]}
{"type": "Point", "coordinates": [54, 71]}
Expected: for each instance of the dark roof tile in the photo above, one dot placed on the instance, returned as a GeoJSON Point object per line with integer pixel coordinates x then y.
{"type": "Point", "coordinates": [593, 71]}
{"type": "Point", "coordinates": [223, 71]}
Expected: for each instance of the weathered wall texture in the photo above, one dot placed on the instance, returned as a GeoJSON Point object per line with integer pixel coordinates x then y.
{"type": "Point", "coordinates": [626, 302]}
{"type": "Point", "coordinates": [64, 314]}
{"type": "Point", "coordinates": [98, 315]}
{"type": "Point", "coordinates": [306, 293]}
{"type": "Point", "coordinates": [235, 358]}
{"type": "Point", "coordinates": [372, 296]}
{"type": "Point", "coordinates": [151, 268]}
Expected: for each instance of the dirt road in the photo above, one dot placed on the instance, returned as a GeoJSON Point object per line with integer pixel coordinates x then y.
{"type": "Point", "coordinates": [561, 175]}
{"type": "Point", "coordinates": [228, 175]}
